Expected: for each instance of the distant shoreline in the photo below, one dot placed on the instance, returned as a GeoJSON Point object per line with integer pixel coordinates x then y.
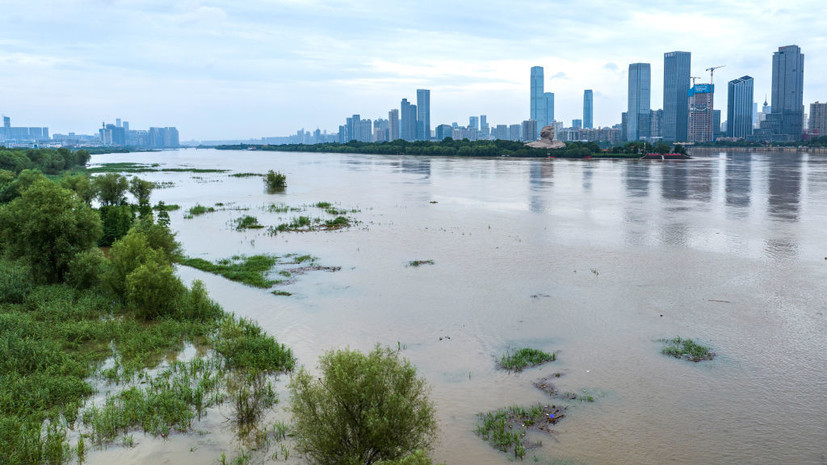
{"type": "Point", "coordinates": [818, 150]}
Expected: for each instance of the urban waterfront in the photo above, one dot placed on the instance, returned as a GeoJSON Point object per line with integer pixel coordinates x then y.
{"type": "Point", "coordinates": [595, 260]}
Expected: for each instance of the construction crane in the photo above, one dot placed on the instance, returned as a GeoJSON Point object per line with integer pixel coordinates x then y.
{"type": "Point", "coordinates": [693, 79]}
{"type": "Point", "coordinates": [712, 72]}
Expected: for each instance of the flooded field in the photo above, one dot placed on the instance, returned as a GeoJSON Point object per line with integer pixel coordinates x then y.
{"type": "Point", "coordinates": [593, 260]}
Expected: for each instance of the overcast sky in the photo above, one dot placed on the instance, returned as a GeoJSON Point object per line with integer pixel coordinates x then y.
{"type": "Point", "coordinates": [252, 68]}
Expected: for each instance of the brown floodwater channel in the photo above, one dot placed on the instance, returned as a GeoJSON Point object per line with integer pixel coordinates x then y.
{"type": "Point", "coordinates": [594, 260]}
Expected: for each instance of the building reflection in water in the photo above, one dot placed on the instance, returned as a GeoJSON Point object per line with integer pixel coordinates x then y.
{"type": "Point", "coordinates": [784, 186]}
{"type": "Point", "coordinates": [738, 182]}
{"type": "Point", "coordinates": [540, 178]}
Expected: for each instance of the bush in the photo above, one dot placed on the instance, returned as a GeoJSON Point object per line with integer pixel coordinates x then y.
{"type": "Point", "coordinates": [117, 220]}
{"type": "Point", "coordinates": [152, 289]}
{"type": "Point", "coordinates": [86, 269]}
{"type": "Point", "coordinates": [275, 181]}
{"type": "Point", "coordinates": [15, 282]}
{"type": "Point", "coordinates": [364, 409]}
{"type": "Point", "coordinates": [198, 306]}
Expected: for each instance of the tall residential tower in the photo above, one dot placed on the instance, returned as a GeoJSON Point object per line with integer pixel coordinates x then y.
{"type": "Point", "coordinates": [588, 109]}
{"type": "Point", "coordinates": [538, 101]}
{"type": "Point", "coordinates": [788, 91]}
{"type": "Point", "coordinates": [676, 70]}
{"type": "Point", "coordinates": [423, 114]}
{"type": "Point", "coordinates": [639, 107]}
{"type": "Point", "coordinates": [739, 107]}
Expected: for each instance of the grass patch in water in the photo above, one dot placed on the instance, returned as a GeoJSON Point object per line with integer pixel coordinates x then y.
{"type": "Point", "coordinates": [252, 270]}
{"type": "Point", "coordinates": [131, 167]}
{"type": "Point", "coordinates": [506, 429]}
{"type": "Point", "coordinates": [246, 175]}
{"type": "Point", "coordinates": [417, 263]}
{"type": "Point", "coordinates": [247, 222]}
{"type": "Point", "coordinates": [525, 357]}
{"type": "Point", "coordinates": [679, 347]}
{"type": "Point", "coordinates": [282, 293]}
{"type": "Point", "coordinates": [199, 209]}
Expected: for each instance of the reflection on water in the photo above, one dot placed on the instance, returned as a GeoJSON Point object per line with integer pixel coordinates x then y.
{"type": "Point", "coordinates": [727, 249]}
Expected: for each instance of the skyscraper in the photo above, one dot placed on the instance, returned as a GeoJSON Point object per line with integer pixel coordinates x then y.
{"type": "Point", "coordinates": [549, 97]}
{"type": "Point", "coordinates": [484, 129]}
{"type": "Point", "coordinates": [538, 101]}
{"type": "Point", "coordinates": [588, 109]}
{"type": "Point", "coordinates": [407, 126]}
{"type": "Point", "coordinates": [474, 123]}
{"type": "Point", "coordinates": [676, 70]}
{"type": "Point", "coordinates": [740, 103]}
{"type": "Point", "coordinates": [818, 119]}
{"type": "Point", "coordinates": [788, 91]}
{"type": "Point", "coordinates": [393, 124]}
{"type": "Point", "coordinates": [423, 115]}
{"type": "Point", "coordinates": [640, 83]}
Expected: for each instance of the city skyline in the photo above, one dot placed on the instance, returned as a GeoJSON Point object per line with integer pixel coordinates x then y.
{"type": "Point", "coordinates": [222, 70]}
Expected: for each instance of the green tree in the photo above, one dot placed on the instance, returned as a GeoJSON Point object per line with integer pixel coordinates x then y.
{"type": "Point", "coordinates": [111, 188]}
{"type": "Point", "coordinates": [152, 288]}
{"type": "Point", "coordinates": [364, 409]}
{"type": "Point", "coordinates": [46, 226]}
{"type": "Point", "coordinates": [275, 181]}
{"type": "Point", "coordinates": [117, 220]}
{"type": "Point", "coordinates": [141, 190]}
{"type": "Point", "coordinates": [81, 185]}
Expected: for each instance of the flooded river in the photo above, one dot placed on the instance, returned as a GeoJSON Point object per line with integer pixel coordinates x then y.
{"type": "Point", "coordinates": [595, 260]}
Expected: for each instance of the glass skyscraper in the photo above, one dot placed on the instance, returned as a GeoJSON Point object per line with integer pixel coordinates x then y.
{"type": "Point", "coordinates": [423, 114]}
{"type": "Point", "coordinates": [538, 101]}
{"type": "Point", "coordinates": [788, 90]}
{"type": "Point", "coordinates": [407, 125]}
{"type": "Point", "coordinates": [739, 107]}
{"type": "Point", "coordinates": [588, 109]}
{"type": "Point", "coordinates": [549, 97]}
{"type": "Point", "coordinates": [676, 71]}
{"type": "Point", "coordinates": [639, 107]}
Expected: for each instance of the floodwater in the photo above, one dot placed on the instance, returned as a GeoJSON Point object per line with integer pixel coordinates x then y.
{"type": "Point", "coordinates": [596, 260]}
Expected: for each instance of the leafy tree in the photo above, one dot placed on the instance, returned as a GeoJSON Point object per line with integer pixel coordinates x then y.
{"type": "Point", "coordinates": [23, 181]}
{"type": "Point", "coordinates": [111, 188]}
{"type": "Point", "coordinates": [81, 185]}
{"type": "Point", "coordinates": [117, 220]}
{"type": "Point", "coordinates": [141, 190]}
{"type": "Point", "coordinates": [364, 409]}
{"type": "Point", "coordinates": [86, 269]}
{"type": "Point", "coordinates": [159, 237]}
{"type": "Point", "coordinates": [152, 288]}
{"type": "Point", "coordinates": [163, 216]}
{"type": "Point", "coordinates": [275, 181]}
{"type": "Point", "coordinates": [46, 226]}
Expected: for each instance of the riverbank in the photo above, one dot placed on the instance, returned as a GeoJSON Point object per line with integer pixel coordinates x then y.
{"type": "Point", "coordinates": [707, 150]}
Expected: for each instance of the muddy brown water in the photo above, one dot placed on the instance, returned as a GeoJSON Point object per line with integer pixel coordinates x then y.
{"type": "Point", "coordinates": [595, 260]}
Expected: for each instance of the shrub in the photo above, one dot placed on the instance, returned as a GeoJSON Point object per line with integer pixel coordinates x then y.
{"type": "Point", "coordinates": [275, 181]}
{"type": "Point", "coordinates": [153, 289]}
{"type": "Point", "coordinates": [86, 269]}
{"type": "Point", "coordinates": [197, 304]}
{"type": "Point", "coordinates": [364, 409]}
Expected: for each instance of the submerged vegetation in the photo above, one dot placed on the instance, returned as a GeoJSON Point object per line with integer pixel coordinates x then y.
{"type": "Point", "coordinates": [70, 315]}
{"type": "Point", "coordinates": [252, 270]}
{"type": "Point", "coordinates": [131, 167]}
{"type": "Point", "coordinates": [275, 181]}
{"type": "Point", "coordinates": [506, 429]}
{"type": "Point", "coordinates": [526, 357]}
{"type": "Point", "coordinates": [679, 347]}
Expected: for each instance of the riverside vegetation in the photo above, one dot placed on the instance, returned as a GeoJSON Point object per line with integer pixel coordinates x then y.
{"type": "Point", "coordinates": [70, 315]}
{"type": "Point", "coordinates": [72, 318]}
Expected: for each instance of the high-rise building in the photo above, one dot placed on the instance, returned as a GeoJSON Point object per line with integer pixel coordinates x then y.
{"type": "Point", "coordinates": [529, 130]}
{"type": "Point", "coordinates": [474, 123]}
{"type": "Point", "coordinates": [638, 108]}
{"type": "Point", "coordinates": [656, 124]}
{"type": "Point", "coordinates": [740, 103]}
{"type": "Point", "coordinates": [549, 97]}
{"type": "Point", "coordinates": [514, 131]}
{"type": "Point", "coordinates": [788, 91]}
{"type": "Point", "coordinates": [588, 109]}
{"type": "Point", "coordinates": [577, 123]}
{"type": "Point", "coordinates": [538, 101]}
{"type": "Point", "coordinates": [423, 114]}
{"type": "Point", "coordinates": [818, 119]}
{"type": "Point", "coordinates": [354, 128]}
{"type": "Point", "coordinates": [676, 70]}
{"type": "Point", "coordinates": [443, 131]}
{"type": "Point", "coordinates": [408, 122]}
{"type": "Point", "coordinates": [393, 124]}
{"type": "Point", "coordinates": [701, 114]}
{"type": "Point", "coordinates": [484, 129]}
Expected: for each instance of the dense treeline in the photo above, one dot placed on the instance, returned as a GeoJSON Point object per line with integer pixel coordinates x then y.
{"type": "Point", "coordinates": [66, 307]}
{"type": "Point", "coordinates": [48, 161]}
{"type": "Point", "coordinates": [446, 147]}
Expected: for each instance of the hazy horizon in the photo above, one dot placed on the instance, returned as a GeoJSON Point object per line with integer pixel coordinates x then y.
{"type": "Point", "coordinates": [221, 70]}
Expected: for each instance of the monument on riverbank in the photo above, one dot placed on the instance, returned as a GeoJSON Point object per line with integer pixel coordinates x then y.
{"type": "Point", "coordinates": [546, 140]}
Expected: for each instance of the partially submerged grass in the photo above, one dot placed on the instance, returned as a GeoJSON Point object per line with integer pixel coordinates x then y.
{"type": "Point", "coordinates": [199, 209]}
{"type": "Point", "coordinates": [526, 357]}
{"type": "Point", "coordinates": [247, 222]}
{"type": "Point", "coordinates": [252, 270]}
{"type": "Point", "coordinates": [280, 292]}
{"type": "Point", "coordinates": [167, 207]}
{"type": "Point", "coordinates": [679, 347]}
{"type": "Point", "coordinates": [246, 175]}
{"type": "Point", "coordinates": [416, 263]}
{"type": "Point", "coordinates": [506, 429]}
{"type": "Point", "coordinates": [131, 167]}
